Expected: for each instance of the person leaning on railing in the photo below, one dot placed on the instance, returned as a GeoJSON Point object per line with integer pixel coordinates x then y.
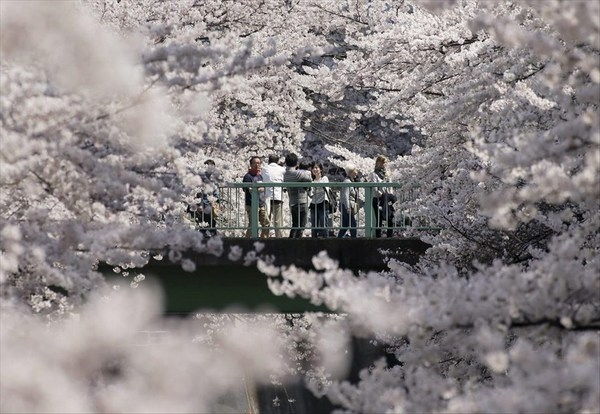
{"type": "Point", "coordinates": [349, 204]}
{"type": "Point", "coordinates": [298, 196]}
{"type": "Point", "coordinates": [253, 176]}
{"type": "Point", "coordinates": [320, 203]}
{"type": "Point", "coordinates": [206, 207]}
{"type": "Point", "coordinates": [382, 210]}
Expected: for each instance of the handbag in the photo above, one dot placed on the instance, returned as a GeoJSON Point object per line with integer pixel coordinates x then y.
{"type": "Point", "coordinates": [216, 208]}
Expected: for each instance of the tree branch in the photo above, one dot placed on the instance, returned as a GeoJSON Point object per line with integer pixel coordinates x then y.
{"type": "Point", "coordinates": [339, 15]}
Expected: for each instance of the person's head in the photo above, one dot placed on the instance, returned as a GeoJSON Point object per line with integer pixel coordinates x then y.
{"type": "Point", "coordinates": [317, 170]}
{"type": "Point", "coordinates": [381, 161]}
{"type": "Point", "coordinates": [305, 165]}
{"type": "Point", "coordinates": [273, 159]}
{"type": "Point", "coordinates": [291, 160]}
{"type": "Point", "coordinates": [210, 167]}
{"type": "Point", "coordinates": [352, 172]}
{"type": "Point", "coordinates": [334, 171]}
{"type": "Point", "coordinates": [255, 163]}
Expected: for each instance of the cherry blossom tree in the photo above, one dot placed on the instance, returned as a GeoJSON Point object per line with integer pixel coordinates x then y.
{"type": "Point", "coordinates": [488, 111]}
{"type": "Point", "coordinates": [506, 98]}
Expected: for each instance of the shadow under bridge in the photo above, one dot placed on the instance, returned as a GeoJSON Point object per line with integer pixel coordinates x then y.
{"type": "Point", "coordinates": [232, 281]}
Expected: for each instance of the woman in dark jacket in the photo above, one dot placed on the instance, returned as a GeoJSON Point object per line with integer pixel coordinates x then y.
{"type": "Point", "coordinates": [382, 208]}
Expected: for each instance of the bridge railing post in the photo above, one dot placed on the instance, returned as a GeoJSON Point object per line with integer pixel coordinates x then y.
{"type": "Point", "coordinates": [254, 205]}
{"type": "Point", "coordinates": [369, 212]}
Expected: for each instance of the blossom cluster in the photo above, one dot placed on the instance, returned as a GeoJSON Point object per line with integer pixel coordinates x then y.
{"type": "Point", "coordinates": [488, 112]}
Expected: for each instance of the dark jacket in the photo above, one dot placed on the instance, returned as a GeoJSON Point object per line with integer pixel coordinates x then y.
{"type": "Point", "coordinates": [249, 178]}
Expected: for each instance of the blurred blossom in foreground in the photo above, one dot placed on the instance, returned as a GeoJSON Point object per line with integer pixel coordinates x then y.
{"type": "Point", "coordinates": [81, 56]}
{"type": "Point", "coordinates": [119, 355]}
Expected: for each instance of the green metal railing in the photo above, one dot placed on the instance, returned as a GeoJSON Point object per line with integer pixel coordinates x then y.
{"type": "Point", "coordinates": [233, 220]}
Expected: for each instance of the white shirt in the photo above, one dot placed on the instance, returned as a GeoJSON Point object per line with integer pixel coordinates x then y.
{"type": "Point", "coordinates": [273, 173]}
{"type": "Point", "coordinates": [378, 191]}
{"type": "Point", "coordinates": [347, 196]}
{"type": "Point", "coordinates": [319, 194]}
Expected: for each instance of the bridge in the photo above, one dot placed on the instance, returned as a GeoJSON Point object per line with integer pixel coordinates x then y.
{"type": "Point", "coordinates": [223, 284]}
{"type": "Point", "coordinates": [220, 282]}
{"type": "Point", "coordinates": [232, 282]}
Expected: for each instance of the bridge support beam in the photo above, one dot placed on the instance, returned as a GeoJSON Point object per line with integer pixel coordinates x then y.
{"type": "Point", "coordinates": [255, 202]}
{"type": "Point", "coordinates": [218, 282]}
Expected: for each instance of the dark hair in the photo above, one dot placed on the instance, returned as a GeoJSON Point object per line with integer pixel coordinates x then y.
{"type": "Point", "coordinates": [209, 162]}
{"type": "Point", "coordinates": [305, 164]}
{"type": "Point", "coordinates": [274, 159]}
{"type": "Point", "coordinates": [317, 164]}
{"type": "Point", "coordinates": [333, 170]}
{"type": "Point", "coordinates": [252, 158]}
{"type": "Point", "coordinates": [291, 160]}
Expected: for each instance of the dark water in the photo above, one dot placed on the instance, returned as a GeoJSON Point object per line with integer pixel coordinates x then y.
{"type": "Point", "coordinates": [364, 354]}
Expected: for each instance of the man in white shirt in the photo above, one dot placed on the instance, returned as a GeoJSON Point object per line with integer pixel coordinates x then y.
{"type": "Point", "coordinates": [273, 173]}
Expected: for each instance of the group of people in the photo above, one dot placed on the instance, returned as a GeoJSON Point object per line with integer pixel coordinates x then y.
{"type": "Point", "coordinates": [318, 203]}
{"type": "Point", "coordinates": [315, 203]}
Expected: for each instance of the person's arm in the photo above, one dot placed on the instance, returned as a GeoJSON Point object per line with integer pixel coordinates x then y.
{"type": "Point", "coordinates": [357, 199]}
{"type": "Point", "coordinates": [304, 176]}
{"type": "Point", "coordinates": [262, 191]}
{"type": "Point", "coordinates": [345, 197]}
{"type": "Point", "coordinates": [327, 190]}
{"type": "Point", "coordinates": [266, 175]}
{"type": "Point", "coordinates": [247, 179]}
{"type": "Point", "coordinates": [281, 171]}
